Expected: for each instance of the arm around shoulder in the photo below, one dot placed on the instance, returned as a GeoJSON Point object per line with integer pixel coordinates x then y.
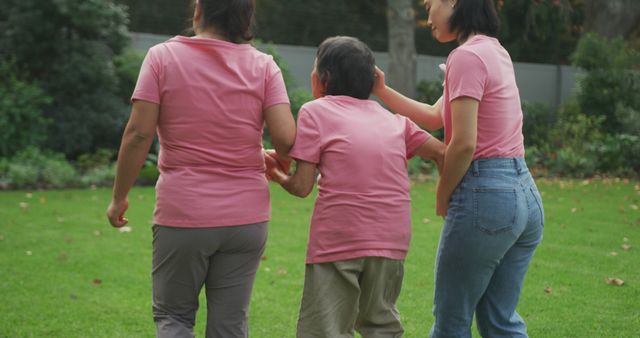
{"type": "Point", "coordinates": [425, 115]}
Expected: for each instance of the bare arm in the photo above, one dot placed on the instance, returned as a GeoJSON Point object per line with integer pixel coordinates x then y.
{"type": "Point", "coordinates": [136, 141]}
{"type": "Point", "coordinates": [433, 150]}
{"type": "Point", "coordinates": [282, 128]}
{"type": "Point", "coordinates": [425, 115]}
{"type": "Point", "coordinates": [301, 183]}
{"type": "Point", "coordinates": [459, 153]}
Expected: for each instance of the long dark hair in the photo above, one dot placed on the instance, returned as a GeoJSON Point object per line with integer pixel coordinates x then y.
{"type": "Point", "coordinates": [346, 66]}
{"type": "Point", "coordinates": [474, 17]}
{"type": "Point", "coordinates": [234, 18]}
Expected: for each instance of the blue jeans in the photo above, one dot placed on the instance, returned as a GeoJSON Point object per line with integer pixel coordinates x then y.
{"type": "Point", "coordinates": [493, 226]}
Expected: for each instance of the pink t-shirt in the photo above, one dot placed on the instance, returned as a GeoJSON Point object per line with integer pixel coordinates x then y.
{"type": "Point", "coordinates": [482, 69]}
{"type": "Point", "coordinates": [212, 94]}
{"type": "Point", "coordinates": [363, 205]}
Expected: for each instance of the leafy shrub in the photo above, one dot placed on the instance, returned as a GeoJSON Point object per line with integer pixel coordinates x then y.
{"type": "Point", "coordinates": [429, 91]}
{"type": "Point", "coordinates": [21, 112]}
{"type": "Point", "coordinates": [611, 79]}
{"type": "Point", "coordinates": [148, 175]}
{"type": "Point", "coordinates": [539, 120]}
{"type": "Point", "coordinates": [618, 154]}
{"type": "Point", "coordinates": [101, 158]}
{"type": "Point", "coordinates": [32, 168]}
{"type": "Point", "coordinates": [102, 175]}
{"type": "Point", "coordinates": [127, 67]}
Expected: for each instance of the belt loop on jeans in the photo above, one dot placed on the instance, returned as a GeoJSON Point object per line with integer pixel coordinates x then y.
{"type": "Point", "coordinates": [474, 165]}
{"type": "Point", "coordinates": [517, 165]}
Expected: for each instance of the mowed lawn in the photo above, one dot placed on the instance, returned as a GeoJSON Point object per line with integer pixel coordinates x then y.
{"type": "Point", "coordinates": [64, 272]}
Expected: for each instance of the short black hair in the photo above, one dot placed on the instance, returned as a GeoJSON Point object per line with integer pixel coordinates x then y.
{"type": "Point", "coordinates": [235, 18]}
{"type": "Point", "coordinates": [346, 66]}
{"type": "Point", "coordinates": [474, 17]}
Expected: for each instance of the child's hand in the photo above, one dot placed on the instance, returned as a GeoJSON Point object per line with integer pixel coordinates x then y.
{"type": "Point", "coordinates": [378, 84]}
{"type": "Point", "coordinates": [285, 165]}
{"type": "Point", "coordinates": [276, 167]}
{"type": "Point", "coordinates": [274, 170]}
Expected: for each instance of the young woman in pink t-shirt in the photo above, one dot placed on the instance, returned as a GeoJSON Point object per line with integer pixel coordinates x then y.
{"type": "Point", "coordinates": [361, 223]}
{"type": "Point", "coordinates": [207, 97]}
{"type": "Point", "coordinates": [492, 208]}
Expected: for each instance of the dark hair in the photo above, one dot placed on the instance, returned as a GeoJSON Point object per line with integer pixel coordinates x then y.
{"type": "Point", "coordinates": [346, 66]}
{"type": "Point", "coordinates": [474, 16]}
{"type": "Point", "coordinates": [234, 18]}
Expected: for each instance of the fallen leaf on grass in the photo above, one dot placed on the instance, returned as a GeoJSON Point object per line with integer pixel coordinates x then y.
{"type": "Point", "coordinates": [267, 269]}
{"type": "Point", "coordinates": [28, 195]}
{"type": "Point", "coordinates": [125, 229]}
{"type": "Point", "coordinates": [24, 206]}
{"type": "Point", "coordinates": [426, 221]}
{"type": "Point", "coordinates": [625, 239]}
{"type": "Point", "coordinates": [29, 253]}
{"type": "Point", "coordinates": [547, 290]}
{"type": "Point", "coordinates": [633, 206]}
{"type": "Point", "coordinates": [614, 281]}
{"type": "Point", "coordinates": [97, 233]}
{"type": "Point", "coordinates": [282, 272]}
{"type": "Point", "coordinates": [42, 200]}
{"type": "Point", "coordinates": [626, 247]}
{"type": "Point", "coordinates": [573, 210]}
{"type": "Point", "coordinates": [613, 253]}
{"type": "Point", "coordinates": [264, 258]}
{"type": "Point", "coordinates": [73, 296]}
{"type": "Point", "coordinates": [96, 281]}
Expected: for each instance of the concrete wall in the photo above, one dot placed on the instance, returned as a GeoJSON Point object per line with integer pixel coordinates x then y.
{"type": "Point", "coordinates": [550, 84]}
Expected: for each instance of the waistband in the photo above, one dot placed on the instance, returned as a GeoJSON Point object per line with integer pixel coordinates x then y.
{"type": "Point", "coordinates": [516, 163]}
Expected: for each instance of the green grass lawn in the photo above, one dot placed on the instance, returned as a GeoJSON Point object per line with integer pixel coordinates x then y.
{"type": "Point", "coordinates": [64, 272]}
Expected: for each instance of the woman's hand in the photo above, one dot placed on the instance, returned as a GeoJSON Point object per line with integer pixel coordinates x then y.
{"type": "Point", "coordinates": [115, 213]}
{"type": "Point", "coordinates": [379, 85]}
{"type": "Point", "coordinates": [276, 166]}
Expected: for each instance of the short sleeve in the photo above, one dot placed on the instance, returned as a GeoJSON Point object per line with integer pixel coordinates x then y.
{"type": "Point", "coordinates": [466, 75]}
{"type": "Point", "coordinates": [148, 84]}
{"type": "Point", "coordinates": [307, 144]}
{"type": "Point", "coordinates": [414, 136]}
{"type": "Point", "coordinates": [275, 89]}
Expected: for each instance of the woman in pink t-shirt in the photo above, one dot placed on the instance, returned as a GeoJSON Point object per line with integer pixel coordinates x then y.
{"type": "Point", "coordinates": [361, 223]}
{"type": "Point", "coordinates": [492, 208]}
{"type": "Point", "coordinates": [207, 97]}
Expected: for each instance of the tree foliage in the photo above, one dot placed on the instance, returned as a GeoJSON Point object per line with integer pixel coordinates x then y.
{"type": "Point", "coordinates": [21, 106]}
{"type": "Point", "coordinates": [68, 47]}
{"type": "Point", "coordinates": [611, 82]}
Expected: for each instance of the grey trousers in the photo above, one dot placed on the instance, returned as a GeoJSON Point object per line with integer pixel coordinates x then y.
{"type": "Point", "coordinates": [224, 260]}
{"type": "Point", "coordinates": [359, 294]}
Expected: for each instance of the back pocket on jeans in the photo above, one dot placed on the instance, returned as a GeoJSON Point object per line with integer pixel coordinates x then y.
{"type": "Point", "coordinates": [494, 209]}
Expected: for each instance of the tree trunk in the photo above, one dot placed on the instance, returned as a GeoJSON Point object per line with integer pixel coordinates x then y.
{"type": "Point", "coordinates": [612, 18]}
{"type": "Point", "coordinates": [401, 72]}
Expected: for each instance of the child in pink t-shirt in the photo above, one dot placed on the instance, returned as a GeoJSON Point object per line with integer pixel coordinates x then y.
{"type": "Point", "coordinates": [361, 224]}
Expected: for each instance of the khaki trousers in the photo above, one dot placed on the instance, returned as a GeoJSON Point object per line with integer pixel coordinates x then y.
{"type": "Point", "coordinates": [359, 294]}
